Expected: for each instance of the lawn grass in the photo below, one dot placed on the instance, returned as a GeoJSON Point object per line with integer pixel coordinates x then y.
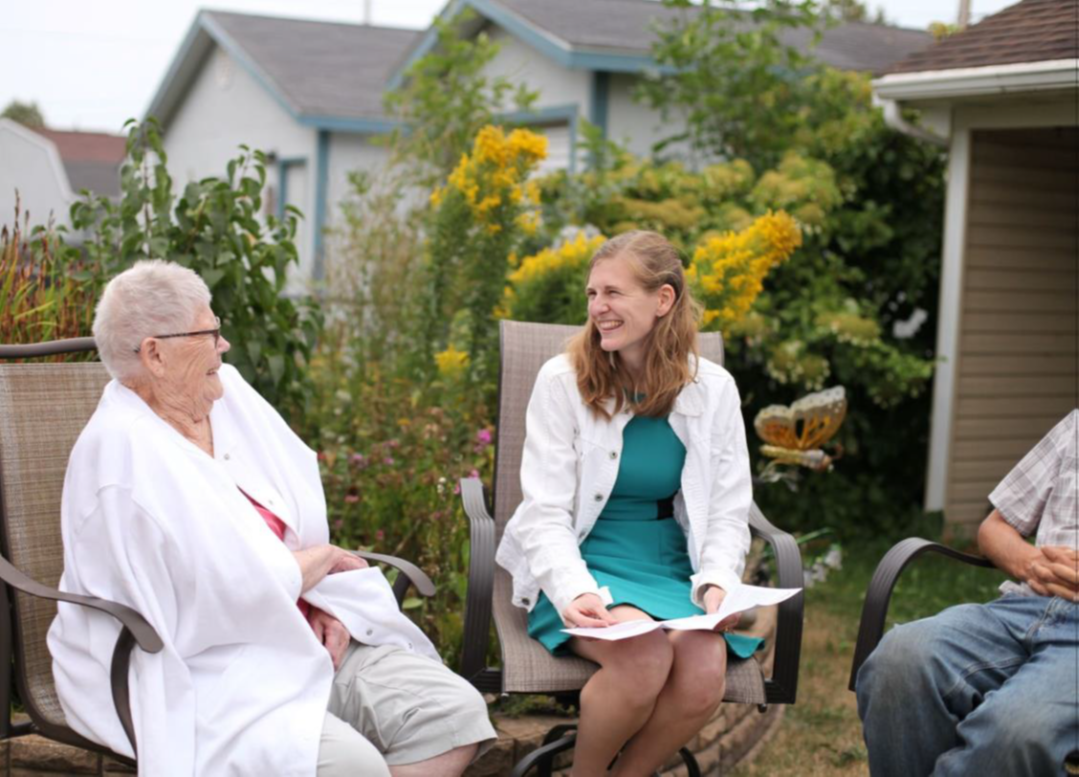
{"type": "Point", "coordinates": [821, 734]}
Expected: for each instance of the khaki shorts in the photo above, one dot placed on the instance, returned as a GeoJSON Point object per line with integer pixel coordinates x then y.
{"type": "Point", "coordinates": [408, 707]}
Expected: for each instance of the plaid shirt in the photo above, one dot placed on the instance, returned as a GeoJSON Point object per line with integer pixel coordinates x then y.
{"type": "Point", "coordinates": [1042, 492]}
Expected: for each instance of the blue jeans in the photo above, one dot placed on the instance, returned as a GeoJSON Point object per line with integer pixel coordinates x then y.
{"type": "Point", "coordinates": [980, 689]}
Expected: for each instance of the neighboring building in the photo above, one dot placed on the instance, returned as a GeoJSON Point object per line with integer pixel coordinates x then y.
{"type": "Point", "coordinates": [310, 93]}
{"type": "Point", "coordinates": [1003, 97]}
{"type": "Point", "coordinates": [50, 167]}
{"type": "Point", "coordinates": [307, 93]}
{"type": "Point", "coordinates": [586, 57]}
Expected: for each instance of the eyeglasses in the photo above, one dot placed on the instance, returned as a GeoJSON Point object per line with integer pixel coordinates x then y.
{"type": "Point", "coordinates": [216, 332]}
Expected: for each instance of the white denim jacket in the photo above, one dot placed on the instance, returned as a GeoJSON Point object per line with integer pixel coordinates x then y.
{"type": "Point", "coordinates": [569, 466]}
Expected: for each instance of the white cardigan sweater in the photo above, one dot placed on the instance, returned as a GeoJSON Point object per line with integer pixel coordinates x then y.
{"type": "Point", "coordinates": [569, 467]}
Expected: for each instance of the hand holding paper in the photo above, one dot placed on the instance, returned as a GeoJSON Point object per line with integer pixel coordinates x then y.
{"type": "Point", "coordinates": [740, 599]}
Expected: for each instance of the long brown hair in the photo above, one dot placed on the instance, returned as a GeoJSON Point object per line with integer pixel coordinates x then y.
{"type": "Point", "coordinates": [601, 375]}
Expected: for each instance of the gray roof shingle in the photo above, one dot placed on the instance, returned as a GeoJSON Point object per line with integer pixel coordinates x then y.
{"type": "Point", "coordinates": [627, 26]}
{"type": "Point", "coordinates": [321, 68]}
{"type": "Point", "coordinates": [1030, 31]}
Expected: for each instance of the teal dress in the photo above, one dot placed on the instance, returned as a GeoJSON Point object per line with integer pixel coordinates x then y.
{"type": "Point", "coordinates": [636, 548]}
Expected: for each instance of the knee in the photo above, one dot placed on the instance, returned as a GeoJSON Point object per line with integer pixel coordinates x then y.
{"type": "Point", "coordinates": [645, 666]}
{"type": "Point", "coordinates": [700, 676]}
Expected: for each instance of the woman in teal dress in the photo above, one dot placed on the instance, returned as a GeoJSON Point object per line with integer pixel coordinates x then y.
{"type": "Point", "coordinates": [636, 486]}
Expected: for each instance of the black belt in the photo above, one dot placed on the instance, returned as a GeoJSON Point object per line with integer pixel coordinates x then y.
{"type": "Point", "coordinates": [665, 508]}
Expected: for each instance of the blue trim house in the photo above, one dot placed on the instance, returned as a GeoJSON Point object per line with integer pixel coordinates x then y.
{"type": "Point", "coordinates": [310, 93]}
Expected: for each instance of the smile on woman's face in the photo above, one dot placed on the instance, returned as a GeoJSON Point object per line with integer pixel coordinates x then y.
{"type": "Point", "coordinates": [622, 310]}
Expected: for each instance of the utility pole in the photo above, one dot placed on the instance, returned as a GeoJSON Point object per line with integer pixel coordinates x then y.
{"type": "Point", "coordinates": [964, 14]}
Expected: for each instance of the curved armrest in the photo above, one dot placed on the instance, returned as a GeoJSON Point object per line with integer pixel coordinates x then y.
{"type": "Point", "coordinates": [481, 576]}
{"type": "Point", "coordinates": [144, 634]}
{"type": "Point", "coordinates": [51, 348]}
{"type": "Point", "coordinates": [783, 686]}
{"type": "Point", "coordinates": [135, 630]}
{"type": "Point", "coordinates": [410, 573]}
{"type": "Point", "coordinates": [875, 609]}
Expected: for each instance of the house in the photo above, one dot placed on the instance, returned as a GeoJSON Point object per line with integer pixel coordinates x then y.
{"type": "Point", "coordinates": [307, 93]}
{"type": "Point", "coordinates": [585, 57]}
{"type": "Point", "coordinates": [310, 93]}
{"type": "Point", "coordinates": [1003, 97]}
{"type": "Point", "coordinates": [50, 167]}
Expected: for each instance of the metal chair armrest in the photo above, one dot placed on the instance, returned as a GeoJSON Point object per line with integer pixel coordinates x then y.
{"type": "Point", "coordinates": [875, 609]}
{"type": "Point", "coordinates": [51, 348]}
{"type": "Point", "coordinates": [481, 576]}
{"type": "Point", "coordinates": [135, 630]}
{"type": "Point", "coordinates": [410, 574]}
{"type": "Point", "coordinates": [783, 686]}
{"type": "Point", "coordinates": [142, 632]}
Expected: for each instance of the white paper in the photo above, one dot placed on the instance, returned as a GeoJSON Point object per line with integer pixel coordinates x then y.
{"type": "Point", "coordinates": [742, 598]}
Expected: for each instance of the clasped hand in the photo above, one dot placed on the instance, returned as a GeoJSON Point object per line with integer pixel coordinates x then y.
{"type": "Point", "coordinates": [1054, 571]}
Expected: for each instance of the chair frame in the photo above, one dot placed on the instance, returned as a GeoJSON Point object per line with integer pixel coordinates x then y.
{"type": "Point", "coordinates": [780, 688]}
{"type": "Point", "coordinates": [135, 629]}
{"type": "Point", "coordinates": [879, 594]}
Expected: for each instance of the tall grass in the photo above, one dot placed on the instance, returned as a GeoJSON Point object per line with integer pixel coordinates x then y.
{"type": "Point", "coordinates": [47, 289]}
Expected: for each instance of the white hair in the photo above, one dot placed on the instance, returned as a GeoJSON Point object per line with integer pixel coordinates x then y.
{"type": "Point", "coordinates": [152, 298]}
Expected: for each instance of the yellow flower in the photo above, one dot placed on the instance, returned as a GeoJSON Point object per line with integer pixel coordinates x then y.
{"type": "Point", "coordinates": [437, 196]}
{"type": "Point", "coordinates": [451, 362]}
{"type": "Point", "coordinates": [728, 270]}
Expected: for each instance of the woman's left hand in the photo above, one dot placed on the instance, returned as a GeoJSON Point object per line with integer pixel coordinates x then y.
{"type": "Point", "coordinates": [346, 562]}
{"type": "Point", "coordinates": [713, 598]}
{"type": "Point", "coordinates": [331, 633]}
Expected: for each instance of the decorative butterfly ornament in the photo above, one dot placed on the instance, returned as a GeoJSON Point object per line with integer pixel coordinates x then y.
{"type": "Point", "coordinates": [796, 434]}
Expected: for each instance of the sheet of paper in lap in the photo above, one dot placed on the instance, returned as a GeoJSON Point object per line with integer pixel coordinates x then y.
{"type": "Point", "coordinates": [742, 598]}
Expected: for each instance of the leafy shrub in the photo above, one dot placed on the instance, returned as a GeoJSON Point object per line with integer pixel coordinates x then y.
{"type": "Point", "coordinates": [216, 227]}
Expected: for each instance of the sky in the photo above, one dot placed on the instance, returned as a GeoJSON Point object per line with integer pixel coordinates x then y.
{"type": "Point", "coordinates": [92, 64]}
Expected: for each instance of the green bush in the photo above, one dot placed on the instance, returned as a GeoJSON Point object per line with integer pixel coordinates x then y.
{"type": "Point", "coordinates": [216, 227]}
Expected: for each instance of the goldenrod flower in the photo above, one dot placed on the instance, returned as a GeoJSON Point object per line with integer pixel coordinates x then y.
{"type": "Point", "coordinates": [728, 270]}
{"type": "Point", "coordinates": [451, 362]}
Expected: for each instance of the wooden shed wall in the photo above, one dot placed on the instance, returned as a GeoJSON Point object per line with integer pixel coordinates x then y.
{"type": "Point", "coordinates": [1018, 350]}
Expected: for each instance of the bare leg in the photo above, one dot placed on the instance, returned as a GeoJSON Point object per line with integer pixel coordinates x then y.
{"type": "Point", "coordinates": [619, 698]}
{"type": "Point", "coordinates": [449, 764]}
{"type": "Point", "coordinates": [691, 695]}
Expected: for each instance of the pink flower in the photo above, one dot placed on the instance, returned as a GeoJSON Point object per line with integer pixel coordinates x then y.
{"type": "Point", "coordinates": [358, 459]}
{"type": "Point", "coordinates": [338, 524]}
{"type": "Point", "coordinates": [474, 474]}
{"type": "Point", "coordinates": [352, 498]}
{"type": "Point", "coordinates": [388, 460]}
{"type": "Point", "coordinates": [380, 535]}
{"type": "Point", "coordinates": [483, 437]}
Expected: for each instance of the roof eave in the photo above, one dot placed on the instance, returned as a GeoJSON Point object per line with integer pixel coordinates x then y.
{"type": "Point", "coordinates": [958, 83]}
{"type": "Point", "coordinates": [543, 41]}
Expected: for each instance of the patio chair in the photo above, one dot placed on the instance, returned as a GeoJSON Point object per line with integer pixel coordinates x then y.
{"type": "Point", "coordinates": [879, 593]}
{"type": "Point", "coordinates": [526, 666]}
{"type": "Point", "coordinates": [43, 408]}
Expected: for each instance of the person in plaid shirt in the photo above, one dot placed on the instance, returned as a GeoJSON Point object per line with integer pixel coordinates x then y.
{"type": "Point", "coordinates": [993, 688]}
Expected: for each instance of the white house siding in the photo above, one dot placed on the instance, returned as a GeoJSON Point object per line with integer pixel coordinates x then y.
{"type": "Point", "coordinates": [520, 63]}
{"type": "Point", "coordinates": [225, 107]}
{"type": "Point", "coordinates": [558, 87]}
{"type": "Point", "coordinates": [635, 125]}
{"type": "Point", "coordinates": [30, 164]}
{"type": "Point", "coordinates": [1016, 373]}
{"type": "Point", "coordinates": [348, 153]}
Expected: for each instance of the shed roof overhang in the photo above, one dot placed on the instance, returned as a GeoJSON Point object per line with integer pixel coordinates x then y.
{"type": "Point", "coordinates": [1020, 79]}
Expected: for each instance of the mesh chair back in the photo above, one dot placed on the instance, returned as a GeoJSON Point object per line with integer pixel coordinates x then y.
{"type": "Point", "coordinates": [43, 408]}
{"type": "Point", "coordinates": [527, 667]}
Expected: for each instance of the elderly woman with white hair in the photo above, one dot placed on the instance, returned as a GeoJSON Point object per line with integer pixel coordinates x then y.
{"type": "Point", "coordinates": [188, 498]}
